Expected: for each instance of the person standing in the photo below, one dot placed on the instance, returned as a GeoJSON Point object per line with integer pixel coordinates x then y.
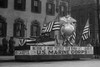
{"type": "Point", "coordinates": [11, 45]}
{"type": "Point", "coordinates": [5, 45]}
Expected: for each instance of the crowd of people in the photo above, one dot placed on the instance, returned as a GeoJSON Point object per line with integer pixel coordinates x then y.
{"type": "Point", "coordinates": [8, 46]}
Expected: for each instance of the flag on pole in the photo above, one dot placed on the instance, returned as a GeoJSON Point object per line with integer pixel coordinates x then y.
{"type": "Point", "coordinates": [86, 31]}
{"type": "Point", "coordinates": [56, 25]}
{"type": "Point", "coordinates": [51, 26]}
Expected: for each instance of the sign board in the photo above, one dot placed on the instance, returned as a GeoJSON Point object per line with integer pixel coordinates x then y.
{"type": "Point", "coordinates": [54, 50]}
{"type": "Point", "coordinates": [51, 50]}
{"type": "Point", "coordinates": [22, 52]}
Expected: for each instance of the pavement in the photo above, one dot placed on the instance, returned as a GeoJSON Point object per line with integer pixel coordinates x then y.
{"type": "Point", "coordinates": [77, 63]}
{"type": "Point", "coordinates": [6, 58]}
{"type": "Point", "coordinates": [9, 61]}
{"type": "Point", "coordinates": [10, 58]}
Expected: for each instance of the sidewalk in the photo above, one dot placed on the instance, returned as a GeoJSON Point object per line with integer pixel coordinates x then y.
{"type": "Point", "coordinates": [6, 58]}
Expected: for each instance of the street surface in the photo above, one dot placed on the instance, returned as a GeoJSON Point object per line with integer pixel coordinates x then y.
{"type": "Point", "coordinates": [10, 62]}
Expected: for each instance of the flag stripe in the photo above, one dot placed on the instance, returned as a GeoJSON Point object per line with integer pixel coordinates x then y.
{"type": "Point", "coordinates": [51, 25]}
{"type": "Point", "coordinates": [85, 31]}
{"type": "Point", "coordinates": [56, 26]}
{"type": "Point", "coordinates": [72, 38]}
{"type": "Point", "coordinates": [56, 22]}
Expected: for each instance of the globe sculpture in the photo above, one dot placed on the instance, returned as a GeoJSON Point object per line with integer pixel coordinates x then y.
{"type": "Point", "coordinates": [68, 26]}
{"type": "Point", "coordinates": [67, 29]}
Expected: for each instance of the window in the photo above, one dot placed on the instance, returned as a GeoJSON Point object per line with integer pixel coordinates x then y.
{"type": "Point", "coordinates": [36, 6]}
{"type": "Point", "coordinates": [3, 27]}
{"type": "Point", "coordinates": [50, 8]}
{"type": "Point", "coordinates": [35, 29]}
{"type": "Point", "coordinates": [63, 10]}
{"type": "Point", "coordinates": [3, 3]}
{"type": "Point", "coordinates": [19, 5]}
{"type": "Point", "coordinates": [19, 28]}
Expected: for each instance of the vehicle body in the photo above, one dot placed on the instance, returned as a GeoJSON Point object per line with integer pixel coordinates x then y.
{"type": "Point", "coordinates": [46, 48]}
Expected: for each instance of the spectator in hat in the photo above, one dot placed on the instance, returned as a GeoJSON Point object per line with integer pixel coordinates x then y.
{"type": "Point", "coordinates": [5, 45]}
{"type": "Point", "coordinates": [11, 45]}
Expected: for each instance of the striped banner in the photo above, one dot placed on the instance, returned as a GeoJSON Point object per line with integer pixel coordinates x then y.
{"type": "Point", "coordinates": [22, 42]}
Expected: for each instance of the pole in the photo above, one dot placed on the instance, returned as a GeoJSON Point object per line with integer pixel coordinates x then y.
{"type": "Point", "coordinates": [69, 7]}
{"type": "Point", "coordinates": [98, 17]}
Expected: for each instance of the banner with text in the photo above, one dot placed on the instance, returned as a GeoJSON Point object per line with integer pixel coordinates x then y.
{"type": "Point", "coordinates": [53, 50]}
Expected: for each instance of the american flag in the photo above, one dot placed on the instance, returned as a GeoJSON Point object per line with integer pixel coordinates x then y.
{"type": "Point", "coordinates": [86, 31]}
{"type": "Point", "coordinates": [72, 38]}
{"type": "Point", "coordinates": [51, 26]}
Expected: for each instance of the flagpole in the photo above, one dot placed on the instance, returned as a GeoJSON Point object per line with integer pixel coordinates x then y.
{"type": "Point", "coordinates": [69, 7]}
{"type": "Point", "coordinates": [98, 17]}
{"type": "Point", "coordinates": [26, 28]}
{"type": "Point", "coordinates": [58, 17]}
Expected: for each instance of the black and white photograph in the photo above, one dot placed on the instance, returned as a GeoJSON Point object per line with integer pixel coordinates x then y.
{"type": "Point", "coordinates": [49, 33]}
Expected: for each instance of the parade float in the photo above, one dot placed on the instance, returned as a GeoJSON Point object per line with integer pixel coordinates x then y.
{"type": "Point", "coordinates": [46, 48]}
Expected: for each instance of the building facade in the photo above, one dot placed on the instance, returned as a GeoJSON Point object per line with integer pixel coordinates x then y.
{"type": "Point", "coordinates": [25, 18]}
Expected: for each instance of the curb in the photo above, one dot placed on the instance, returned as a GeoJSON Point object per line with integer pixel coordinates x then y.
{"type": "Point", "coordinates": [7, 57]}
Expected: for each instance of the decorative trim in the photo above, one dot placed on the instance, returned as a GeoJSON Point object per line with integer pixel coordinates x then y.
{"type": "Point", "coordinates": [19, 20]}
{"type": "Point", "coordinates": [16, 28]}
